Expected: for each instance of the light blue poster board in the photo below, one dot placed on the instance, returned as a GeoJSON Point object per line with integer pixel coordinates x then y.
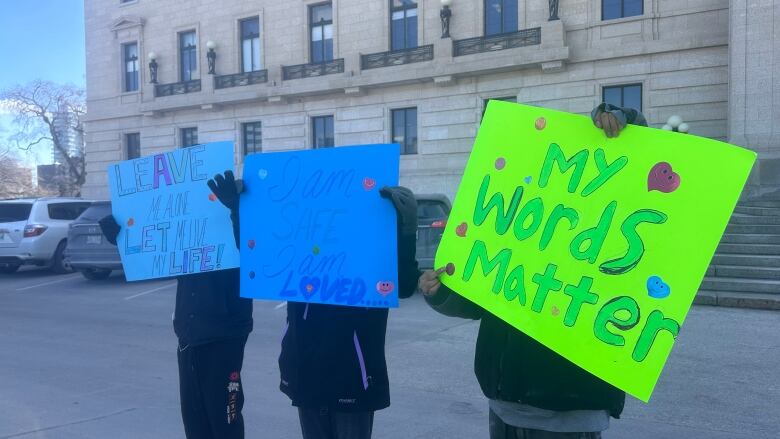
{"type": "Point", "coordinates": [315, 229]}
{"type": "Point", "coordinates": [172, 224]}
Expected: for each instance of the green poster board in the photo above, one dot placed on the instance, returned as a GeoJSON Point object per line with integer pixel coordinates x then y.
{"type": "Point", "coordinates": [593, 246]}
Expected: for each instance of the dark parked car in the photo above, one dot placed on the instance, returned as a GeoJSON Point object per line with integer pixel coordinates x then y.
{"type": "Point", "coordinates": [432, 213]}
{"type": "Point", "coordinates": [88, 251]}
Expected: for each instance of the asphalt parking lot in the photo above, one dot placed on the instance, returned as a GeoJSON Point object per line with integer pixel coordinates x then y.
{"type": "Point", "coordinates": [96, 359]}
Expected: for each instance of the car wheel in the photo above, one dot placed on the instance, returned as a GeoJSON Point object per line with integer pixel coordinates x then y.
{"type": "Point", "coordinates": [8, 269]}
{"type": "Point", "coordinates": [96, 273]}
{"type": "Point", "coordinates": [58, 264]}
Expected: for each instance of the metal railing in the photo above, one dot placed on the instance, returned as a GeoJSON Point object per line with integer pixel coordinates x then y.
{"type": "Point", "coordinates": [313, 70]}
{"type": "Point", "coordinates": [525, 37]}
{"type": "Point", "coordinates": [241, 79]}
{"type": "Point", "coordinates": [177, 88]}
{"type": "Point", "coordinates": [396, 57]}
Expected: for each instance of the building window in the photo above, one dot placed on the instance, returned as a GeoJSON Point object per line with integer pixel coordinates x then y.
{"type": "Point", "coordinates": [321, 30]}
{"type": "Point", "coordinates": [405, 129]}
{"type": "Point", "coordinates": [612, 9]}
{"type": "Point", "coordinates": [322, 132]}
{"type": "Point", "coordinates": [500, 16]}
{"type": "Point", "coordinates": [504, 99]}
{"type": "Point", "coordinates": [189, 137]}
{"type": "Point", "coordinates": [250, 45]}
{"type": "Point", "coordinates": [252, 137]}
{"type": "Point", "coordinates": [130, 57]}
{"type": "Point", "coordinates": [132, 145]}
{"type": "Point", "coordinates": [188, 54]}
{"type": "Point", "coordinates": [627, 96]}
{"type": "Point", "coordinates": [403, 24]}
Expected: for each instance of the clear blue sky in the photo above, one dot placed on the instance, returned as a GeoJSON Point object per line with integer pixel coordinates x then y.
{"type": "Point", "coordinates": [42, 39]}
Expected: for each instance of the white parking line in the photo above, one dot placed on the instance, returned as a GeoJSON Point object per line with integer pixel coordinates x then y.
{"type": "Point", "coordinates": [281, 305]}
{"type": "Point", "coordinates": [63, 279]}
{"type": "Point", "coordinates": [150, 291]}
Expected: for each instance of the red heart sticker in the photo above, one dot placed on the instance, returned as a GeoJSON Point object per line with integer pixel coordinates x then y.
{"type": "Point", "coordinates": [212, 197]}
{"type": "Point", "coordinates": [369, 183]}
{"type": "Point", "coordinates": [130, 222]}
{"type": "Point", "coordinates": [251, 244]}
{"type": "Point", "coordinates": [662, 178]}
{"type": "Point", "coordinates": [462, 229]}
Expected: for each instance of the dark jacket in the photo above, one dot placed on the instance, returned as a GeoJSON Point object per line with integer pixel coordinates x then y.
{"type": "Point", "coordinates": [208, 308]}
{"type": "Point", "coordinates": [511, 366]}
{"type": "Point", "coordinates": [334, 356]}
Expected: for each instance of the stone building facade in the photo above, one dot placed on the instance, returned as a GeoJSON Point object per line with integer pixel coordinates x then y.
{"type": "Point", "coordinates": [270, 92]}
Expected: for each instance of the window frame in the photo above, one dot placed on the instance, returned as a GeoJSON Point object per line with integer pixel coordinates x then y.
{"type": "Point", "coordinates": [127, 137]}
{"type": "Point", "coordinates": [405, 146]}
{"type": "Point", "coordinates": [192, 50]}
{"type": "Point", "coordinates": [622, 87]}
{"type": "Point", "coordinates": [485, 18]}
{"type": "Point", "coordinates": [623, 11]}
{"type": "Point", "coordinates": [332, 138]}
{"type": "Point", "coordinates": [136, 61]}
{"type": "Point", "coordinates": [321, 24]}
{"type": "Point", "coordinates": [244, 144]}
{"type": "Point", "coordinates": [404, 9]}
{"type": "Point", "coordinates": [185, 134]}
{"type": "Point", "coordinates": [241, 41]}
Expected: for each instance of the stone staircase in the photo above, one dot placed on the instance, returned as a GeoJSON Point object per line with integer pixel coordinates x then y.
{"type": "Point", "coordinates": [745, 271]}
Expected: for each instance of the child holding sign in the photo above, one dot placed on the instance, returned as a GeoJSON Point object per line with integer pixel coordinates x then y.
{"type": "Point", "coordinates": [212, 324]}
{"type": "Point", "coordinates": [534, 393]}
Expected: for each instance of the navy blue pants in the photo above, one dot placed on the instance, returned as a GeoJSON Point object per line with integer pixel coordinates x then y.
{"type": "Point", "coordinates": [322, 423]}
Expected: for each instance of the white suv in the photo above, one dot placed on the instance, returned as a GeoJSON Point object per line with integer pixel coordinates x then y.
{"type": "Point", "coordinates": [35, 232]}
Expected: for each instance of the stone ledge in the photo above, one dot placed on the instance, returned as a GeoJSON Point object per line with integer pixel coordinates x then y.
{"type": "Point", "coordinates": [738, 300]}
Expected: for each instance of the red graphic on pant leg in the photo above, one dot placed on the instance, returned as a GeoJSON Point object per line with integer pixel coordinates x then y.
{"type": "Point", "coordinates": [235, 376]}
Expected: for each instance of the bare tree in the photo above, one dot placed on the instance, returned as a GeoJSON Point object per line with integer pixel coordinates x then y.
{"type": "Point", "coordinates": [16, 179]}
{"type": "Point", "coordinates": [46, 113]}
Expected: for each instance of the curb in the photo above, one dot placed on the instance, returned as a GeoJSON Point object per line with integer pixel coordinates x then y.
{"type": "Point", "coordinates": [738, 300]}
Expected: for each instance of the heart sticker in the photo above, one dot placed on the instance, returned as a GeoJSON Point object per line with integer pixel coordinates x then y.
{"type": "Point", "coordinates": [263, 173]}
{"type": "Point", "coordinates": [500, 163]}
{"type": "Point", "coordinates": [385, 287]}
{"type": "Point", "coordinates": [540, 123]}
{"type": "Point", "coordinates": [369, 183]}
{"type": "Point", "coordinates": [251, 274]}
{"type": "Point", "coordinates": [212, 197]}
{"type": "Point", "coordinates": [462, 229]}
{"type": "Point", "coordinates": [130, 222]}
{"type": "Point", "coordinates": [527, 180]}
{"type": "Point", "coordinates": [662, 178]}
{"type": "Point", "coordinates": [251, 244]}
{"type": "Point", "coordinates": [657, 288]}
{"type": "Point", "coordinates": [450, 269]}
{"type": "Point", "coordinates": [555, 311]}
{"type": "Point", "coordinates": [312, 285]}
{"type": "Point", "coordinates": [315, 250]}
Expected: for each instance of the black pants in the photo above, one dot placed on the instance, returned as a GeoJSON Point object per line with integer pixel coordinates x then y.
{"type": "Point", "coordinates": [211, 391]}
{"type": "Point", "coordinates": [500, 430]}
{"type": "Point", "coordinates": [321, 423]}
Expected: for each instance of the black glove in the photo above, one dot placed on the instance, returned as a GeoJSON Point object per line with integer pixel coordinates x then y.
{"type": "Point", "coordinates": [110, 228]}
{"type": "Point", "coordinates": [227, 189]}
{"type": "Point", "coordinates": [405, 206]}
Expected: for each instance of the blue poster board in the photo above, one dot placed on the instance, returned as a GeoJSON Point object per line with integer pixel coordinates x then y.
{"type": "Point", "coordinates": [172, 225]}
{"type": "Point", "coordinates": [315, 229]}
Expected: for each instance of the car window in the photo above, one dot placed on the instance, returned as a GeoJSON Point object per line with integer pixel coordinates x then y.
{"type": "Point", "coordinates": [429, 210]}
{"type": "Point", "coordinates": [66, 211]}
{"type": "Point", "coordinates": [96, 212]}
{"type": "Point", "coordinates": [12, 212]}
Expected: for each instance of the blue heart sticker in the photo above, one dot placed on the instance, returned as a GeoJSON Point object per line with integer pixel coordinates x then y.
{"type": "Point", "coordinates": [657, 288]}
{"type": "Point", "coordinates": [528, 180]}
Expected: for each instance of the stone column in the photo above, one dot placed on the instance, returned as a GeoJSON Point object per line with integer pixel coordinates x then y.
{"type": "Point", "coordinates": [754, 90]}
